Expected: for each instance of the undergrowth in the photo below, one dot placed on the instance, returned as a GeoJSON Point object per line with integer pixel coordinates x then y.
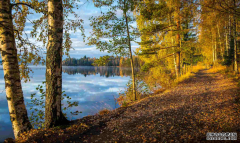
{"type": "Point", "coordinates": [104, 111]}
{"type": "Point", "coordinates": [37, 107]}
{"type": "Point", "coordinates": [145, 88]}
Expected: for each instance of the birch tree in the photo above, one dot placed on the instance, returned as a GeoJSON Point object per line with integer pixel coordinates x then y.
{"type": "Point", "coordinates": [53, 112]}
{"type": "Point", "coordinates": [14, 93]}
{"type": "Point", "coordinates": [59, 43]}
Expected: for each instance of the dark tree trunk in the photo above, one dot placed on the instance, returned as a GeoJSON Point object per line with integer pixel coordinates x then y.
{"type": "Point", "coordinates": [178, 54]}
{"type": "Point", "coordinates": [53, 113]}
{"type": "Point", "coordinates": [235, 64]}
{"type": "Point", "coordinates": [131, 57]}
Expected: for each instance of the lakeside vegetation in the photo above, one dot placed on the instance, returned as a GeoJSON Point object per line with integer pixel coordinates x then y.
{"type": "Point", "coordinates": [178, 39]}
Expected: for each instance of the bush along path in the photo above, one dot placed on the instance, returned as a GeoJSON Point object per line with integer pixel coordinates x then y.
{"type": "Point", "coordinates": [206, 102]}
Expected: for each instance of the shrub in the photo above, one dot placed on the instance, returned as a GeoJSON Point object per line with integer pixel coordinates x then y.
{"type": "Point", "coordinates": [142, 89]}
{"type": "Point", "coordinates": [37, 107]}
{"type": "Point", "coordinates": [104, 111]}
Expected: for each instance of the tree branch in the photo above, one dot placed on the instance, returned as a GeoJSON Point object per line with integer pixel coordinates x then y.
{"type": "Point", "coordinates": [158, 48]}
{"type": "Point", "coordinates": [20, 3]}
{"type": "Point", "coordinates": [28, 5]}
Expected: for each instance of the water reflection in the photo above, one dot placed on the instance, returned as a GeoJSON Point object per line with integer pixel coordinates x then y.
{"type": "Point", "coordinates": [103, 71]}
{"type": "Point", "coordinates": [94, 88]}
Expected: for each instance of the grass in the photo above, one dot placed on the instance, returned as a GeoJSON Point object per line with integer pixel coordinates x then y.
{"type": "Point", "coordinates": [194, 69]}
{"type": "Point", "coordinates": [104, 112]}
{"type": "Point", "coordinates": [190, 73]}
{"type": "Point", "coordinates": [228, 72]}
{"type": "Point", "coordinates": [218, 68]}
{"type": "Point", "coordinates": [158, 91]}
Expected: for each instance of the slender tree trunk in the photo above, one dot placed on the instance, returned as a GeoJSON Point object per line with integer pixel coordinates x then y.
{"type": "Point", "coordinates": [178, 54]}
{"type": "Point", "coordinates": [53, 113]}
{"type": "Point", "coordinates": [215, 49]}
{"type": "Point", "coordinates": [235, 64]}
{"type": "Point", "coordinates": [131, 57]}
{"type": "Point", "coordinates": [174, 59]}
{"type": "Point", "coordinates": [14, 93]}
{"type": "Point", "coordinates": [229, 32]}
{"type": "Point", "coordinates": [174, 55]}
{"type": "Point", "coordinates": [213, 56]}
{"type": "Point", "coordinates": [220, 43]}
{"type": "Point", "coordinates": [226, 34]}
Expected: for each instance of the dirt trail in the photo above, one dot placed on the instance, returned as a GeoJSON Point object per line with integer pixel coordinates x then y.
{"type": "Point", "coordinates": [204, 103]}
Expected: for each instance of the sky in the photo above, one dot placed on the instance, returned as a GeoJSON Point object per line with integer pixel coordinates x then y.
{"type": "Point", "coordinates": [85, 11]}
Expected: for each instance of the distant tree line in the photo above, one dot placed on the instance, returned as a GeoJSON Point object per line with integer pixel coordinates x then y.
{"type": "Point", "coordinates": [102, 61]}
{"type": "Point", "coordinates": [102, 71]}
{"type": "Point", "coordinates": [85, 61]}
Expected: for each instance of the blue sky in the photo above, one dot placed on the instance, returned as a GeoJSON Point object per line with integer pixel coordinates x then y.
{"type": "Point", "coordinates": [85, 11]}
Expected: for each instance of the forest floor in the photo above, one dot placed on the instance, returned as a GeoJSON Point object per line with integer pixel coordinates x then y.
{"type": "Point", "coordinates": [206, 102]}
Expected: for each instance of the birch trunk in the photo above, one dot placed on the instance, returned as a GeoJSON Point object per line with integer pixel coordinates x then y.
{"type": "Point", "coordinates": [174, 55]}
{"type": "Point", "coordinates": [213, 54]}
{"type": "Point", "coordinates": [215, 49]}
{"type": "Point", "coordinates": [178, 52]}
{"type": "Point", "coordinates": [174, 59]}
{"type": "Point", "coordinates": [220, 43]}
{"type": "Point", "coordinates": [226, 34]}
{"type": "Point", "coordinates": [53, 113]}
{"type": "Point", "coordinates": [235, 64]}
{"type": "Point", "coordinates": [14, 93]}
{"type": "Point", "coordinates": [229, 32]}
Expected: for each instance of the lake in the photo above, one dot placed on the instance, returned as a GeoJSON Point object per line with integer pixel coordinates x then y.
{"type": "Point", "coordinates": [94, 88]}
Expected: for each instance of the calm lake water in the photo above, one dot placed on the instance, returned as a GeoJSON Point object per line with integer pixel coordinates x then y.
{"type": "Point", "coordinates": [95, 88]}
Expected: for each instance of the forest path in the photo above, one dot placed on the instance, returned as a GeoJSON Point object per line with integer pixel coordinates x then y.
{"type": "Point", "coordinates": [206, 102]}
{"type": "Point", "coordinates": [203, 103]}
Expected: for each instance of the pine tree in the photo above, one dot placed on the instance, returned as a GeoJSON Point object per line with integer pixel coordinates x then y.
{"type": "Point", "coordinates": [117, 29]}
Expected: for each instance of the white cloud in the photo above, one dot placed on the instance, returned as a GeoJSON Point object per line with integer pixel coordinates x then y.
{"type": "Point", "coordinates": [85, 11]}
{"type": "Point", "coordinates": [77, 43]}
{"type": "Point", "coordinates": [114, 89]}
